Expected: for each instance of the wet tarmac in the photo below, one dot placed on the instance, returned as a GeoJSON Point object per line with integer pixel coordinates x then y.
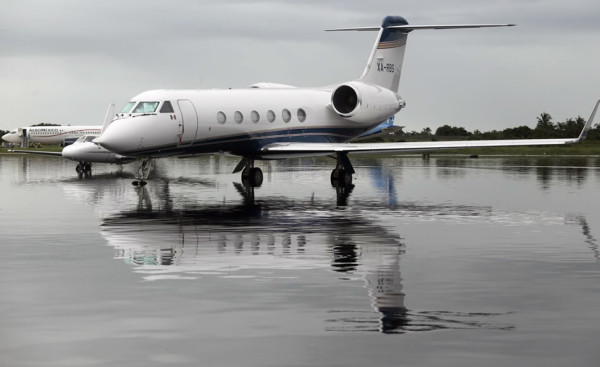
{"type": "Point", "coordinates": [449, 261]}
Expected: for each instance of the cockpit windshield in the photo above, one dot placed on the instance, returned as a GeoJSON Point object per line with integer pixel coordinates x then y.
{"type": "Point", "coordinates": [128, 107]}
{"type": "Point", "coordinates": [85, 139]}
{"type": "Point", "coordinates": [146, 107]}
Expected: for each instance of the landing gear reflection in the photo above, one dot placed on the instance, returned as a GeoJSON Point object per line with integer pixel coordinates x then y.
{"type": "Point", "coordinates": [143, 172]}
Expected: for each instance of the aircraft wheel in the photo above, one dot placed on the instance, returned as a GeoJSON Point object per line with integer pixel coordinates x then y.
{"type": "Point", "coordinates": [341, 178]}
{"type": "Point", "coordinates": [79, 169]}
{"type": "Point", "coordinates": [252, 177]}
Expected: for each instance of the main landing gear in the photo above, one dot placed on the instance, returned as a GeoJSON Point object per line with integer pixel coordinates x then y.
{"type": "Point", "coordinates": [143, 172]}
{"type": "Point", "coordinates": [341, 176]}
{"type": "Point", "coordinates": [84, 168]}
{"type": "Point", "coordinates": [251, 176]}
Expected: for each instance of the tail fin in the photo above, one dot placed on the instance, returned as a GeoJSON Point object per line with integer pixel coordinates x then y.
{"type": "Point", "coordinates": [385, 63]}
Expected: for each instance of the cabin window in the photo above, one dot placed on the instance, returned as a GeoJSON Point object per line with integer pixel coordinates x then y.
{"type": "Point", "coordinates": [146, 107]}
{"type": "Point", "coordinates": [301, 115]}
{"type": "Point", "coordinates": [167, 107]}
{"type": "Point", "coordinates": [221, 118]}
{"type": "Point", "coordinates": [286, 115]}
{"type": "Point", "coordinates": [238, 117]}
{"type": "Point", "coordinates": [254, 116]}
{"type": "Point", "coordinates": [128, 107]}
{"type": "Point", "coordinates": [270, 116]}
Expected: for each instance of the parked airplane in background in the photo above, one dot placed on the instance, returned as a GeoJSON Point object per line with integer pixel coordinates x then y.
{"type": "Point", "coordinates": [85, 152]}
{"type": "Point", "coordinates": [50, 135]}
{"type": "Point", "coordinates": [274, 121]}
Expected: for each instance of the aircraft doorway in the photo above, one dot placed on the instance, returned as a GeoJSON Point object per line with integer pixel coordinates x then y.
{"type": "Point", "coordinates": [189, 122]}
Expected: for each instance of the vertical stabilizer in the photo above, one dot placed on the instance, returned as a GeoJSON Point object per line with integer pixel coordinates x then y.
{"type": "Point", "coordinates": [385, 63]}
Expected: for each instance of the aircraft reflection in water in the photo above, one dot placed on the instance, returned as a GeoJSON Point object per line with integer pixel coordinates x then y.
{"type": "Point", "coordinates": [274, 238]}
{"type": "Point", "coordinates": [163, 236]}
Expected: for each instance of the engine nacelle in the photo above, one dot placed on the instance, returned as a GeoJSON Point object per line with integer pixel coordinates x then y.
{"type": "Point", "coordinates": [365, 103]}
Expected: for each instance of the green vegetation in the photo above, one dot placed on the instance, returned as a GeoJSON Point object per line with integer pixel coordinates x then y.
{"type": "Point", "coordinates": [545, 129]}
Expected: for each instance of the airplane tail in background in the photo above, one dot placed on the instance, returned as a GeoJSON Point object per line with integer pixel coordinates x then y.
{"type": "Point", "coordinates": [385, 63]}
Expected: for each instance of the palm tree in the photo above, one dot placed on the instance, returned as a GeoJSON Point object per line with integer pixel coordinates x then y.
{"type": "Point", "coordinates": [545, 122]}
{"type": "Point", "coordinates": [545, 127]}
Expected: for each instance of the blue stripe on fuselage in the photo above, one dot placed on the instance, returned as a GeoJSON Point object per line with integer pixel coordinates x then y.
{"type": "Point", "coordinates": [250, 144]}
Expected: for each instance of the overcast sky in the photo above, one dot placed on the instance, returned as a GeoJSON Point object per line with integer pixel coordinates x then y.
{"type": "Point", "coordinates": [65, 61]}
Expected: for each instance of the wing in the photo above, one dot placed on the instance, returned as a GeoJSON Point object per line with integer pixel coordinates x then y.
{"type": "Point", "coordinates": [298, 149]}
{"type": "Point", "coordinates": [40, 152]}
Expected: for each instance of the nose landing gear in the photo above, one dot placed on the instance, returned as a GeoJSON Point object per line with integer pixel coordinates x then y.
{"type": "Point", "coordinates": [143, 172]}
{"type": "Point", "coordinates": [84, 168]}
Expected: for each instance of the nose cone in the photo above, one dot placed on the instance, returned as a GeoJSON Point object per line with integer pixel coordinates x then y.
{"type": "Point", "coordinates": [70, 152]}
{"type": "Point", "coordinates": [11, 138]}
{"type": "Point", "coordinates": [115, 139]}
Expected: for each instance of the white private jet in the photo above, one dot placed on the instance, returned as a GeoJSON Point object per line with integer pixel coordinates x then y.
{"type": "Point", "coordinates": [50, 135]}
{"type": "Point", "coordinates": [85, 152]}
{"type": "Point", "coordinates": [275, 121]}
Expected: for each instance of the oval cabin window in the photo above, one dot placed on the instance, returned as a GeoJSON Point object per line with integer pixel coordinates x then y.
{"type": "Point", "coordinates": [286, 115]}
{"type": "Point", "coordinates": [238, 117]}
{"type": "Point", "coordinates": [301, 115]}
{"type": "Point", "coordinates": [221, 118]}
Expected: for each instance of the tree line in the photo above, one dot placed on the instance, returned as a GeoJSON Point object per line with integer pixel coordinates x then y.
{"type": "Point", "coordinates": [544, 129]}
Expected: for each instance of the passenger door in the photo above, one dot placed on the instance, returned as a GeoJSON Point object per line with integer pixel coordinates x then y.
{"type": "Point", "coordinates": [188, 126]}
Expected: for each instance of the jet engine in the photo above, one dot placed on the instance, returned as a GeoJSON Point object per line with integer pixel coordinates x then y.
{"type": "Point", "coordinates": [365, 103]}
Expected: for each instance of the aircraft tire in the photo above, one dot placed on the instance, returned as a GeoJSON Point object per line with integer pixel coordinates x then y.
{"type": "Point", "coordinates": [341, 178]}
{"type": "Point", "coordinates": [257, 176]}
{"type": "Point", "coordinates": [252, 177]}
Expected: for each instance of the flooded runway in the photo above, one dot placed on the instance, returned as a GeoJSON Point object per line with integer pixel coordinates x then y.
{"type": "Point", "coordinates": [449, 261]}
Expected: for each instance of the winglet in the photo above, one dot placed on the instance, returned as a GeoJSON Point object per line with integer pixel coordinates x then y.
{"type": "Point", "coordinates": [588, 125]}
{"type": "Point", "coordinates": [109, 116]}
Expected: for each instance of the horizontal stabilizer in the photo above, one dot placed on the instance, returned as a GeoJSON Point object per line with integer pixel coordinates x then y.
{"type": "Point", "coordinates": [450, 26]}
{"type": "Point", "coordinates": [410, 27]}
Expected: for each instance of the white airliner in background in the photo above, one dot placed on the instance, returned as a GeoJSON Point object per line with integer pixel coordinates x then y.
{"type": "Point", "coordinates": [275, 121]}
{"type": "Point", "coordinates": [85, 152]}
{"type": "Point", "coordinates": [50, 135]}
